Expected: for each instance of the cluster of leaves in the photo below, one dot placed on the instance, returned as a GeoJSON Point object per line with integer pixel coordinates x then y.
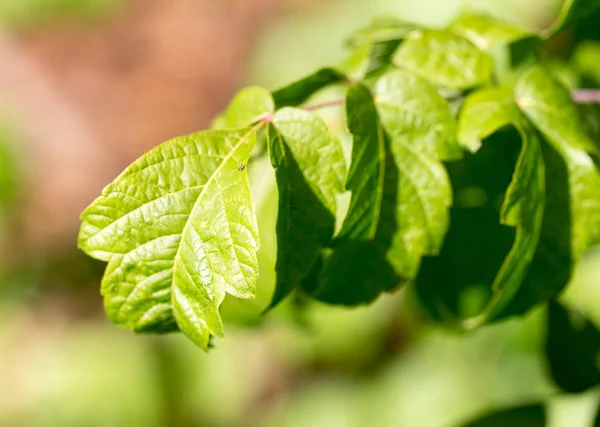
{"type": "Point", "coordinates": [474, 181]}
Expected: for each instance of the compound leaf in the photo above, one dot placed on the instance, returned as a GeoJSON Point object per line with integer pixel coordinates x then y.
{"type": "Point", "coordinates": [445, 59]}
{"type": "Point", "coordinates": [179, 230]}
{"type": "Point", "coordinates": [310, 170]}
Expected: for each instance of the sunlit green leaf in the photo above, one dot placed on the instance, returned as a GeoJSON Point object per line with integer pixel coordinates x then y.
{"type": "Point", "coordinates": [422, 132]}
{"type": "Point", "coordinates": [179, 231]}
{"type": "Point", "coordinates": [444, 58]}
{"type": "Point", "coordinates": [247, 107]}
{"type": "Point", "coordinates": [357, 270]}
{"type": "Point", "coordinates": [484, 31]}
{"type": "Point", "coordinates": [298, 92]}
{"type": "Point", "coordinates": [310, 171]}
{"type": "Point", "coordinates": [548, 105]}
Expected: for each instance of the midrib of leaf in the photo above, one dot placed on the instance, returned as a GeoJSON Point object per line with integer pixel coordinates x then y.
{"type": "Point", "coordinates": [204, 187]}
{"type": "Point", "coordinates": [380, 181]}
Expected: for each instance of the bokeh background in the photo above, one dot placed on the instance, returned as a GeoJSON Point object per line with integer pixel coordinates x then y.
{"type": "Point", "coordinates": [86, 86]}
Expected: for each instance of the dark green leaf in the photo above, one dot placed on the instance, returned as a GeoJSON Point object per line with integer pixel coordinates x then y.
{"type": "Point", "coordinates": [310, 171]}
{"type": "Point", "coordinates": [298, 92]}
{"type": "Point", "coordinates": [483, 114]}
{"type": "Point", "coordinates": [249, 105]}
{"type": "Point", "coordinates": [445, 59]}
{"type": "Point", "coordinates": [524, 201]}
{"type": "Point", "coordinates": [548, 105]}
{"type": "Point", "coordinates": [179, 231]}
{"type": "Point", "coordinates": [572, 199]}
{"type": "Point", "coordinates": [572, 350]}
{"type": "Point", "coordinates": [571, 11]}
{"type": "Point", "coordinates": [357, 270]}
{"type": "Point", "coordinates": [550, 269]}
{"type": "Point", "coordinates": [523, 416]}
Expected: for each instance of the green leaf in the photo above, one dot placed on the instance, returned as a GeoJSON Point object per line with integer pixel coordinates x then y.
{"type": "Point", "coordinates": [382, 29]}
{"type": "Point", "coordinates": [484, 113]}
{"type": "Point", "coordinates": [298, 92]}
{"type": "Point", "coordinates": [179, 231]}
{"type": "Point", "coordinates": [310, 171]}
{"type": "Point", "coordinates": [549, 107]}
{"type": "Point", "coordinates": [422, 132]}
{"type": "Point", "coordinates": [369, 60]}
{"type": "Point", "coordinates": [522, 416]}
{"type": "Point", "coordinates": [445, 59]}
{"type": "Point", "coordinates": [485, 32]}
{"type": "Point", "coordinates": [366, 174]}
{"type": "Point", "coordinates": [571, 11]}
{"type": "Point", "coordinates": [357, 270]}
{"type": "Point", "coordinates": [249, 105]}
{"type": "Point", "coordinates": [493, 282]}
{"type": "Point", "coordinates": [572, 350]}
{"type": "Point", "coordinates": [586, 58]}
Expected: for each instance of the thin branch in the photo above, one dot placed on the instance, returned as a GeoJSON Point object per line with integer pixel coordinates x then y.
{"type": "Point", "coordinates": [581, 96]}
{"type": "Point", "coordinates": [332, 103]}
{"type": "Point", "coordinates": [586, 96]}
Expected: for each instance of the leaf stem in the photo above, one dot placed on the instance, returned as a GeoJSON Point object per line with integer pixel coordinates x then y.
{"type": "Point", "coordinates": [332, 103]}
{"type": "Point", "coordinates": [580, 96]}
{"type": "Point", "coordinates": [586, 96]}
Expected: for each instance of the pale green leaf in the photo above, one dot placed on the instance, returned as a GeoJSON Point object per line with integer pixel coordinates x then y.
{"type": "Point", "coordinates": [368, 60]}
{"type": "Point", "coordinates": [409, 105]}
{"type": "Point", "coordinates": [310, 172]}
{"type": "Point", "coordinates": [549, 107]}
{"type": "Point", "coordinates": [484, 31]}
{"type": "Point", "coordinates": [179, 231]}
{"type": "Point", "coordinates": [248, 106]}
{"type": "Point", "coordinates": [445, 59]}
{"type": "Point", "coordinates": [422, 132]}
{"type": "Point", "coordinates": [484, 113]}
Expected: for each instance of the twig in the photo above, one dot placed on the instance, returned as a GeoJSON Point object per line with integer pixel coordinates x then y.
{"type": "Point", "coordinates": [586, 96]}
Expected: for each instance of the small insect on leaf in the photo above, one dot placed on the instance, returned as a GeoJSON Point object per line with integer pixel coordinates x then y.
{"type": "Point", "coordinates": [241, 167]}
